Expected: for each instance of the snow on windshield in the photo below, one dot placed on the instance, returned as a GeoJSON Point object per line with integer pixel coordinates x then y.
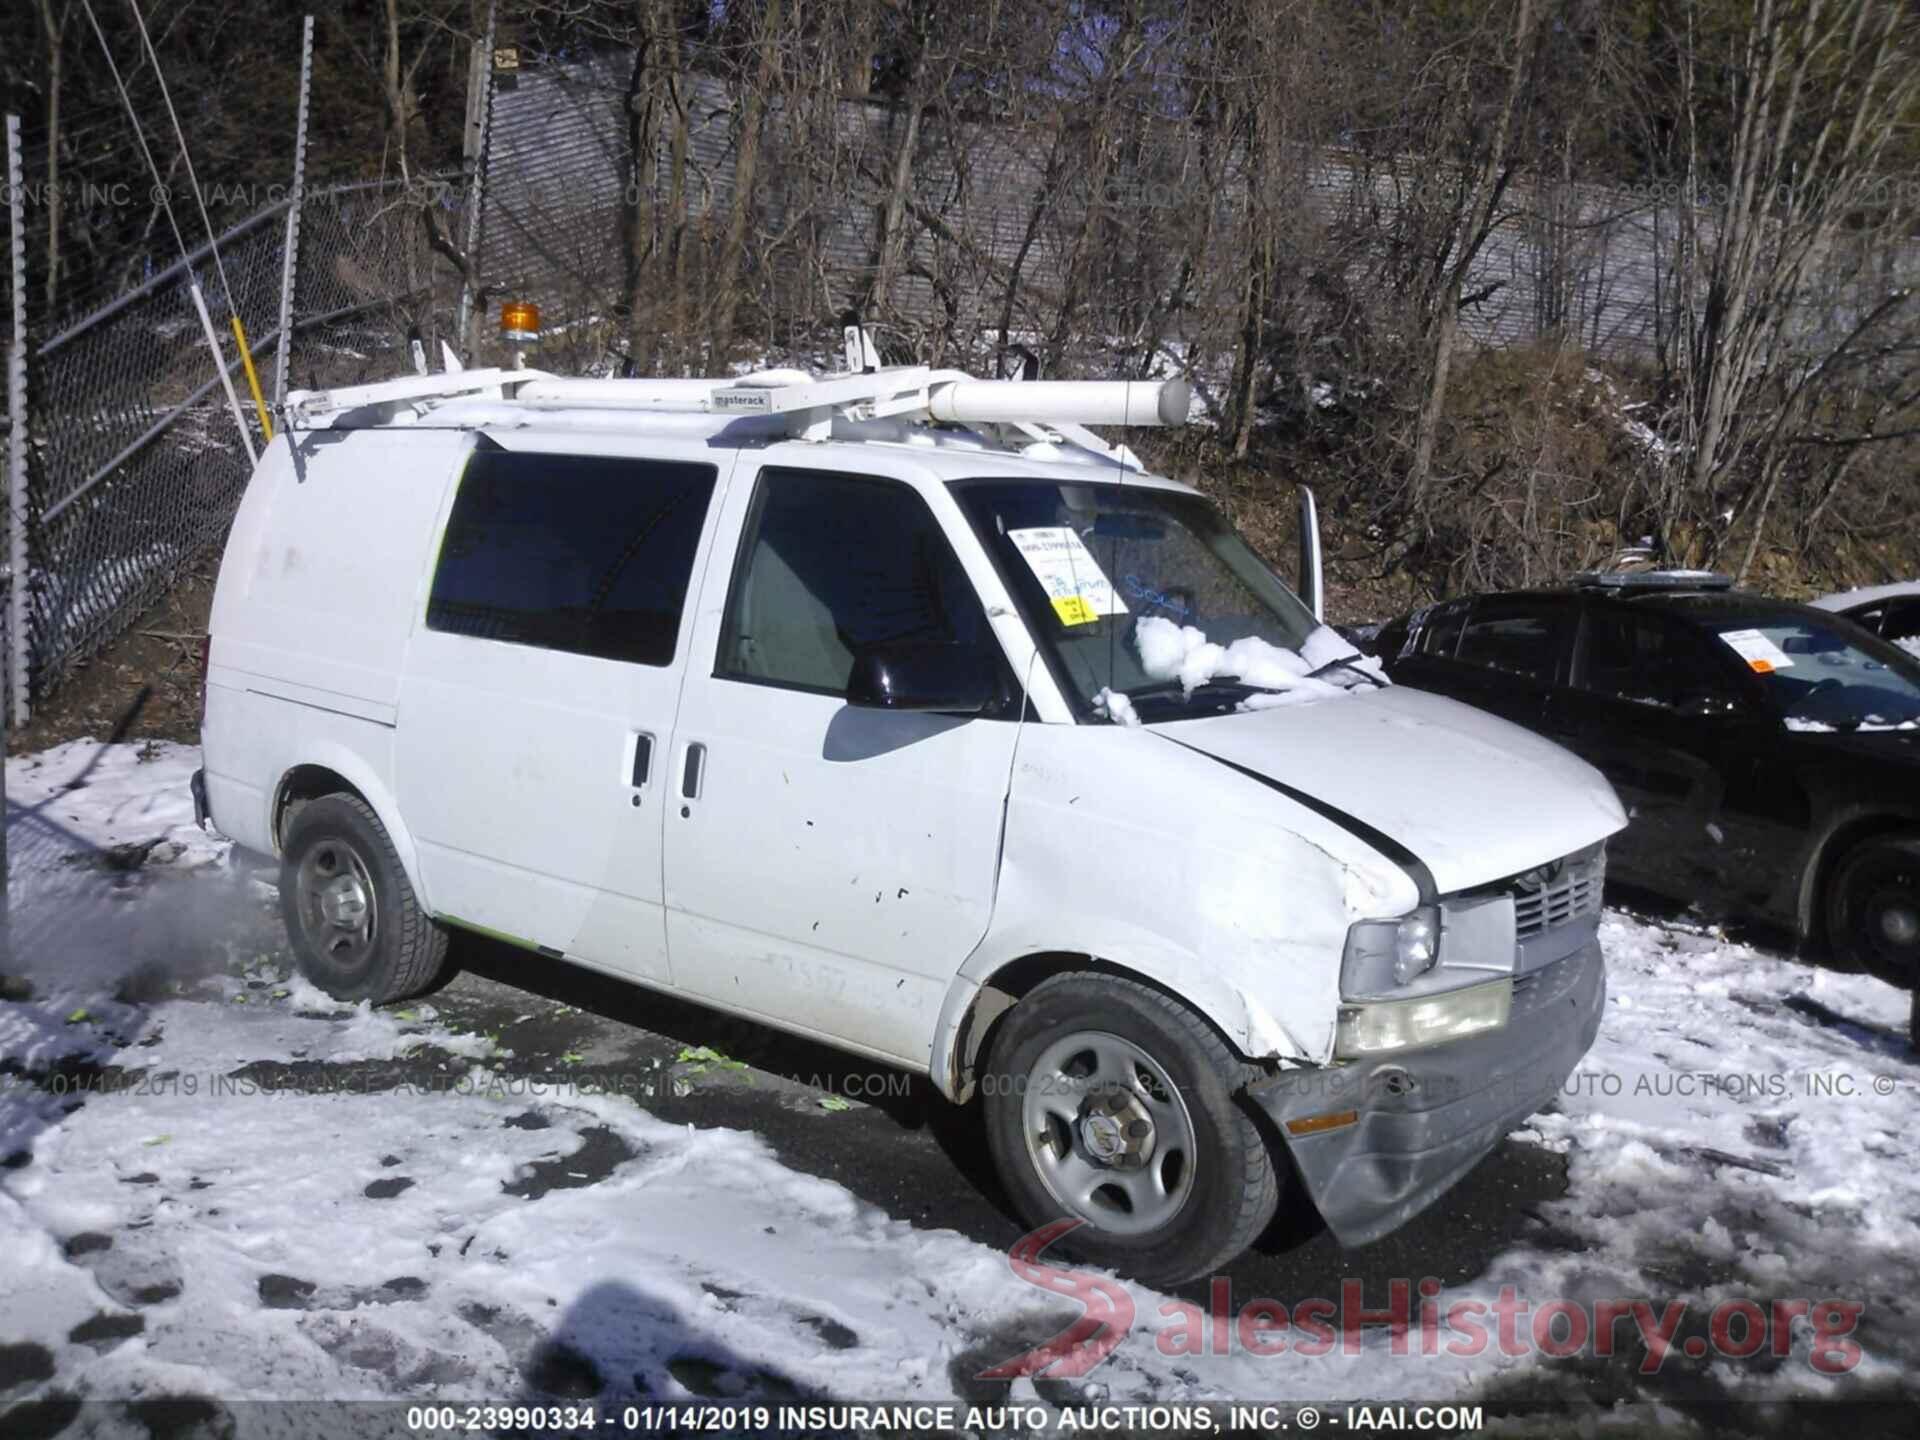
{"type": "Point", "coordinates": [1170, 651]}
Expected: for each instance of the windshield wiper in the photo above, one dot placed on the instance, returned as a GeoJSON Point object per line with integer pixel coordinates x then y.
{"type": "Point", "coordinates": [1215, 687]}
{"type": "Point", "coordinates": [1346, 662]}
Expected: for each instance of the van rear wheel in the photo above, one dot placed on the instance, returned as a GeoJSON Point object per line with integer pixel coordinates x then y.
{"type": "Point", "coordinates": [1113, 1104]}
{"type": "Point", "coordinates": [356, 926]}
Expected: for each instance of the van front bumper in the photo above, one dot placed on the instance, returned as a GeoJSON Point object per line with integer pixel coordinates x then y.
{"type": "Point", "coordinates": [1423, 1118]}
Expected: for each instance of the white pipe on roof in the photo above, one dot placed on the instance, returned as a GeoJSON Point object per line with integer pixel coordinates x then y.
{"type": "Point", "coordinates": [1043, 402]}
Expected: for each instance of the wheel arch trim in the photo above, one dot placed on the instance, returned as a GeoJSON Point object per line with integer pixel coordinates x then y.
{"type": "Point", "coordinates": [360, 779]}
{"type": "Point", "coordinates": [975, 1004]}
{"type": "Point", "coordinates": [1844, 829]}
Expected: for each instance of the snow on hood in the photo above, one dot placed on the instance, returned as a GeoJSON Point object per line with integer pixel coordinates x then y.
{"type": "Point", "coordinates": [1476, 798]}
{"type": "Point", "coordinates": [1183, 652]}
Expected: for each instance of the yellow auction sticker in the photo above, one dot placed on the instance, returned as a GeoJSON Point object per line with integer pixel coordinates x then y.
{"type": "Point", "coordinates": [1075, 585]}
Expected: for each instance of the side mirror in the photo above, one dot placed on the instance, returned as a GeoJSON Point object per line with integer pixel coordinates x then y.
{"type": "Point", "coordinates": [1313, 580]}
{"type": "Point", "coordinates": [951, 679]}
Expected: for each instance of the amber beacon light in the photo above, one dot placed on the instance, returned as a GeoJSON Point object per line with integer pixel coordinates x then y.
{"type": "Point", "coordinates": [519, 322]}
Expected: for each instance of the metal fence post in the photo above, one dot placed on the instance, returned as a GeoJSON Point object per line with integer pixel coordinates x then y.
{"type": "Point", "coordinates": [16, 558]}
{"type": "Point", "coordinates": [290, 258]}
{"type": "Point", "coordinates": [13, 711]}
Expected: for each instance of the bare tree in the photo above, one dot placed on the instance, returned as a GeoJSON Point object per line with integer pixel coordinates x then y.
{"type": "Point", "coordinates": [763, 50]}
{"type": "Point", "coordinates": [1491, 174]}
{"type": "Point", "coordinates": [1819, 90]}
{"type": "Point", "coordinates": [53, 24]}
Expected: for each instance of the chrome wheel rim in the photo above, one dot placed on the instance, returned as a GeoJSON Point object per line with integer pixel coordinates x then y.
{"type": "Point", "coordinates": [1108, 1133]}
{"type": "Point", "coordinates": [336, 903]}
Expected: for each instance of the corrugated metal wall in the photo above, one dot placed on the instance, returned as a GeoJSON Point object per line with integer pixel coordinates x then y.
{"type": "Point", "coordinates": [985, 223]}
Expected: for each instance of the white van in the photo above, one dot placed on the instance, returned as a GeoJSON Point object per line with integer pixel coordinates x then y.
{"type": "Point", "coordinates": [899, 711]}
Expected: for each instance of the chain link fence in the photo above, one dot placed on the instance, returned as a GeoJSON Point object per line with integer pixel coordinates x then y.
{"type": "Point", "coordinates": [136, 464]}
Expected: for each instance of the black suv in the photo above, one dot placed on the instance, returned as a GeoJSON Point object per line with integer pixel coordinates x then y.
{"type": "Point", "coordinates": [1768, 753]}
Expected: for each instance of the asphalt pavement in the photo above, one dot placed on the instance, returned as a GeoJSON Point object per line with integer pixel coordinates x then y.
{"type": "Point", "coordinates": [895, 1142]}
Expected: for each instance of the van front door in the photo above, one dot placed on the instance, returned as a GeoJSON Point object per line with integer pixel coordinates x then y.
{"type": "Point", "coordinates": [539, 697]}
{"type": "Point", "coordinates": [829, 868]}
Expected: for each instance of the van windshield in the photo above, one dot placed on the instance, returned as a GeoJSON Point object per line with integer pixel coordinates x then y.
{"type": "Point", "coordinates": [1150, 606]}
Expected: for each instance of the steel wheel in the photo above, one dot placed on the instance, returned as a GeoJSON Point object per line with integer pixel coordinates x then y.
{"type": "Point", "coordinates": [1109, 1135]}
{"type": "Point", "coordinates": [358, 929]}
{"type": "Point", "coordinates": [1880, 909]}
{"type": "Point", "coordinates": [1112, 1103]}
{"type": "Point", "coordinates": [334, 895]}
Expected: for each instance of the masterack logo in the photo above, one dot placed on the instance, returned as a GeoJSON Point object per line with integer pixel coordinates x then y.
{"type": "Point", "coordinates": [1418, 1323]}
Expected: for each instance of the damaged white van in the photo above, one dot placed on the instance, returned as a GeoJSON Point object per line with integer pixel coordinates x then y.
{"type": "Point", "coordinates": [896, 709]}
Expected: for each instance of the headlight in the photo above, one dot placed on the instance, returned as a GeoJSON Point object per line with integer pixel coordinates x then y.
{"type": "Point", "coordinates": [1381, 1025]}
{"type": "Point", "coordinates": [1384, 955]}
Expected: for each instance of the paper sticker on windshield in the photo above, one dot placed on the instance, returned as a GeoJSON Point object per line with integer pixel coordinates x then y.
{"type": "Point", "coordinates": [1066, 570]}
{"type": "Point", "coordinates": [1757, 650]}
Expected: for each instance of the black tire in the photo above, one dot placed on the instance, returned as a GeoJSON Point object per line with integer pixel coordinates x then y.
{"type": "Point", "coordinates": [1229, 1182]}
{"type": "Point", "coordinates": [335, 850]}
{"type": "Point", "coordinates": [1873, 908]}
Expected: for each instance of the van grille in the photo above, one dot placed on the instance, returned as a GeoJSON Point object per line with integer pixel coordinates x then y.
{"type": "Point", "coordinates": [1570, 895]}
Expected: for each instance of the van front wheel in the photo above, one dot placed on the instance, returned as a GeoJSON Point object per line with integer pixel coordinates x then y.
{"type": "Point", "coordinates": [356, 926]}
{"type": "Point", "coordinates": [1113, 1104]}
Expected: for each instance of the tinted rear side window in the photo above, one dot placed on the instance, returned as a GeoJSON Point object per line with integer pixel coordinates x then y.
{"type": "Point", "coordinates": [1868, 616]}
{"type": "Point", "coordinates": [1901, 623]}
{"type": "Point", "coordinates": [1516, 642]}
{"type": "Point", "coordinates": [584, 553]}
{"type": "Point", "coordinates": [1440, 636]}
{"type": "Point", "coordinates": [1652, 661]}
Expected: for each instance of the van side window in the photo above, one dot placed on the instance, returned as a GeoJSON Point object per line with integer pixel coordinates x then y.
{"type": "Point", "coordinates": [830, 563]}
{"type": "Point", "coordinates": [589, 554]}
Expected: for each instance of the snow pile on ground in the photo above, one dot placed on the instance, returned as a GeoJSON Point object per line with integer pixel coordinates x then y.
{"type": "Point", "coordinates": [1743, 1128]}
{"type": "Point", "coordinates": [1170, 651]}
{"type": "Point", "coordinates": [219, 1183]}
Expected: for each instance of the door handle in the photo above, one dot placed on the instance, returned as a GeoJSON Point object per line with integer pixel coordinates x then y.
{"type": "Point", "coordinates": [694, 771]}
{"type": "Point", "coordinates": [642, 759]}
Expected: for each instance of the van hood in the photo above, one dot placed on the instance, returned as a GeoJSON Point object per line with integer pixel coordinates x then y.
{"type": "Point", "coordinates": [1474, 798]}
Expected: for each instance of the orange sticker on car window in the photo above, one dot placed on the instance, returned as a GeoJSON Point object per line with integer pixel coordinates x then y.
{"type": "Point", "coordinates": [1763, 657]}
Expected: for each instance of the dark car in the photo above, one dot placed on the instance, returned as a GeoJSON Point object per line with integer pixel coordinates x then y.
{"type": "Point", "coordinates": [1768, 753]}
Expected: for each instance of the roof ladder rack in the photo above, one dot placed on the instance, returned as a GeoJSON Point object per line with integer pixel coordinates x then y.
{"type": "Point", "coordinates": [811, 405]}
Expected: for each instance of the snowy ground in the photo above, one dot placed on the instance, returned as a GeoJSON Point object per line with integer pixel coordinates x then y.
{"type": "Point", "coordinates": [218, 1183]}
